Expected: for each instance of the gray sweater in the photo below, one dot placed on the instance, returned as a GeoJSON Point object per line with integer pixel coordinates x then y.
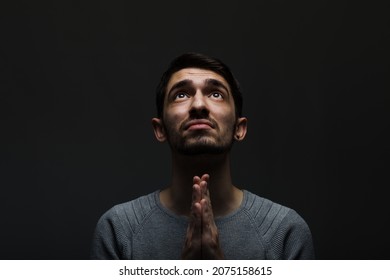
{"type": "Point", "coordinates": [258, 229]}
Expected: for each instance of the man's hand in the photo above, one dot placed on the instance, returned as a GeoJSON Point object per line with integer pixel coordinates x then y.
{"type": "Point", "coordinates": [202, 240]}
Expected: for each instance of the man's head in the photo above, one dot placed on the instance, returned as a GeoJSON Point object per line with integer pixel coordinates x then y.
{"type": "Point", "coordinates": [199, 106]}
{"type": "Point", "coordinates": [196, 60]}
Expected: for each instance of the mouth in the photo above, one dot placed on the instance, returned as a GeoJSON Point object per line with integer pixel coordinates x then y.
{"type": "Point", "coordinates": [198, 125]}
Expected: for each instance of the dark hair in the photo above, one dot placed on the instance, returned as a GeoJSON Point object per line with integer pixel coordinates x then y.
{"type": "Point", "coordinates": [196, 60]}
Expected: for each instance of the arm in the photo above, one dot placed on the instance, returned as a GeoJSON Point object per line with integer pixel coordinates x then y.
{"type": "Point", "coordinates": [107, 242]}
{"type": "Point", "coordinates": [292, 239]}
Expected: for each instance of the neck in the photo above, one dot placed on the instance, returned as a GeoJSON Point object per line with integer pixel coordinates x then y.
{"type": "Point", "coordinates": [224, 196]}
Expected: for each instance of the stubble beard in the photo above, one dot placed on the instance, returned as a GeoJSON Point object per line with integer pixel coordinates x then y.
{"type": "Point", "coordinates": [199, 142]}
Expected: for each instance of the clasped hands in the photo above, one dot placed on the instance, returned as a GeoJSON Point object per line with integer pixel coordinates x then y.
{"type": "Point", "coordinates": [202, 240]}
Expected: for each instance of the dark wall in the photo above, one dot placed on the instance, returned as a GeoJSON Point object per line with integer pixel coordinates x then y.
{"type": "Point", "coordinates": [77, 84]}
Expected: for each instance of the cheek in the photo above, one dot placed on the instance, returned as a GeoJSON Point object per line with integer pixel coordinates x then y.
{"type": "Point", "coordinates": [226, 117]}
{"type": "Point", "coordinates": [174, 116]}
{"type": "Point", "coordinates": [178, 108]}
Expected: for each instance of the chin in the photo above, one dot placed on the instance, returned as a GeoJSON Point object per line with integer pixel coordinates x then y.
{"type": "Point", "coordinates": [203, 149]}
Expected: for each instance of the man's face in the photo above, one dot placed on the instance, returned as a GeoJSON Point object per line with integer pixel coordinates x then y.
{"type": "Point", "coordinates": [199, 113]}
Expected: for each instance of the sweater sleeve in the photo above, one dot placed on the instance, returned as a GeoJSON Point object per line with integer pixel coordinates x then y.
{"type": "Point", "coordinates": [110, 241]}
{"type": "Point", "coordinates": [292, 239]}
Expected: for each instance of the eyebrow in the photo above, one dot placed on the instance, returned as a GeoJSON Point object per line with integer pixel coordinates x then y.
{"type": "Point", "coordinates": [180, 84]}
{"type": "Point", "coordinates": [208, 82]}
{"type": "Point", "coordinates": [216, 83]}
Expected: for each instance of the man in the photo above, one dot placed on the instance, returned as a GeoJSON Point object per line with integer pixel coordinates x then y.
{"type": "Point", "coordinates": [201, 214]}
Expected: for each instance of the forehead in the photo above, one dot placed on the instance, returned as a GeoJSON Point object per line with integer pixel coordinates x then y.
{"type": "Point", "coordinates": [196, 75]}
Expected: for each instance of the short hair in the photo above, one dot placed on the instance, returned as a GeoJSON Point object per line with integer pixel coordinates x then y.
{"type": "Point", "coordinates": [201, 61]}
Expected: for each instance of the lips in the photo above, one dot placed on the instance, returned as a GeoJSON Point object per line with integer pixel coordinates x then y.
{"type": "Point", "coordinates": [198, 124]}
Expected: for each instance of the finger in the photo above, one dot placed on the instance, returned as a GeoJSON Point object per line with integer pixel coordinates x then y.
{"type": "Point", "coordinates": [197, 222]}
{"type": "Point", "coordinates": [196, 180]}
{"type": "Point", "coordinates": [206, 195]}
{"type": "Point", "coordinates": [207, 213]}
{"type": "Point", "coordinates": [210, 240]}
{"type": "Point", "coordinates": [196, 194]}
{"type": "Point", "coordinates": [203, 189]}
{"type": "Point", "coordinates": [196, 190]}
{"type": "Point", "coordinates": [205, 177]}
{"type": "Point", "coordinates": [204, 183]}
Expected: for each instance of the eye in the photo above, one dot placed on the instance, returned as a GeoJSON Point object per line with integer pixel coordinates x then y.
{"type": "Point", "coordinates": [180, 95]}
{"type": "Point", "coordinates": [216, 95]}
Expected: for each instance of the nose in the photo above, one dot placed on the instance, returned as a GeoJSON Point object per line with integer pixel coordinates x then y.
{"type": "Point", "coordinates": [199, 104]}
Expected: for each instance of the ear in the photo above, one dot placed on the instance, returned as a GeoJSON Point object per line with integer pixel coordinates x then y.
{"type": "Point", "coordinates": [241, 128]}
{"type": "Point", "coordinates": [159, 130]}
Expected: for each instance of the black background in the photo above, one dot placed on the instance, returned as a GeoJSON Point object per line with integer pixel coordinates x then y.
{"type": "Point", "coordinates": [77, 87]}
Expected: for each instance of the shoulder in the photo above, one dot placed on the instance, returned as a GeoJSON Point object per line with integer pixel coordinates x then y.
{"type": "Point", "coordinates": [132, 213]}
{"type": "Point", "coordinates": [284, 231]}
{"type": "Point", "coordinates": [115, 228]}
{"type": "Point", "coordinates": [265, 213]}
